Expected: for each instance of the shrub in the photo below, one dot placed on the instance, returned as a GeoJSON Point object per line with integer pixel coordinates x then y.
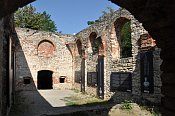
{"type": "Point", "coordinates": [126, 105]}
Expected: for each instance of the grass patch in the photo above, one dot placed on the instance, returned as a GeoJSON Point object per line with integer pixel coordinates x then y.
{"type": "Point", "coordinates": [81, 99]}
{"type": "Point", "coordinates": [126, 105]}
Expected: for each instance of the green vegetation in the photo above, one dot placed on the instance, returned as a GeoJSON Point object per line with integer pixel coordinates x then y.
{"type": "Point", "coordinates": [83, 99]}
{"type": "Point", "coordinates": [27, 17]}
{"type": "Point", "coordinates": [106, 14]}
{"type": "Point", "coordinates": [126, 105]}
{"type": "Point", "coordinates": [126, 40]}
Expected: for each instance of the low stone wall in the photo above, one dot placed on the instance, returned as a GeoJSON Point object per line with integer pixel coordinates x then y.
{"type": "Point", "coordinates": [63, 86]}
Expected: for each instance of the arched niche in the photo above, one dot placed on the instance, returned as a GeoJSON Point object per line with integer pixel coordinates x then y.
{"type": "Point", "coordinates": [46, 49]}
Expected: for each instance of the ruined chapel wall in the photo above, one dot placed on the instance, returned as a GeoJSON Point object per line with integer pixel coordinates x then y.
{"type": "Point", "coordinates": [132, 65]}
{"type": "Point", "coordinates": [90, 58]}
{"type": "Point", "coordinates": [106, 30]}
{"type": "Point", "coordinates": [29, 60]}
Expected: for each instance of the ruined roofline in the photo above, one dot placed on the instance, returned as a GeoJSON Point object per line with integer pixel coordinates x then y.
{"type": "Point", "coordinates": [108, 20]}
{"type": "Point", "coordinates": [38, 31]}
{"type": "Point", "coordinates": [67, 37]}
{"type": "Point", "coordinates": [117, 13]}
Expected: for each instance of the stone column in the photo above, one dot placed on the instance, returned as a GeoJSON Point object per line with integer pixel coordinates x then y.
{"type": "Point", "coordinates": [85, 76]}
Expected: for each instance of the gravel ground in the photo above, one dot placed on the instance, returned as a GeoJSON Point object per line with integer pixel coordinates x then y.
{"type": "Point", "coordinates": [36, 103]}
{"type": "Point", "coordinates": [51, 103]}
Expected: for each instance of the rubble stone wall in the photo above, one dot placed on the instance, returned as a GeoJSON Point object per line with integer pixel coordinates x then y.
{"type": "Point", "coordinates": [113, 61]}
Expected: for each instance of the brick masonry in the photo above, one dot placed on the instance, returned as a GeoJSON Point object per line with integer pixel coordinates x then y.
{"type": "Point", "coordinates": [36, 51]}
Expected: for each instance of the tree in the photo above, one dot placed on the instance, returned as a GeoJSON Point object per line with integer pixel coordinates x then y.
{"type": "Point", "coordinates": [90, 22]}
{"type": "Point", "coordinates": [27, 17]}
{"type": "Point", "coordinates": [106, 14]}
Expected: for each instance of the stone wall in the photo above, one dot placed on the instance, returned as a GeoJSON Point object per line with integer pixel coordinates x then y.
{"type": "Point", "coordinates": [7, 34]}
{"type": "Point", "coordinates": [36, 51]}
{"type": "Point", "coordinates": [114, 63]}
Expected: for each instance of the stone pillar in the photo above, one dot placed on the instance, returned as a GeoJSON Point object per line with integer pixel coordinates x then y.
{"type": "Point", "coordinates": [168, 78]}
{"type": "Point", "coordinates": [85, 76]}
{"type": "Point", "coordinates": [83, 71]}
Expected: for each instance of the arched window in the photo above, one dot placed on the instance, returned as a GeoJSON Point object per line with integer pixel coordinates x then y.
{"type": "Point", "coordinates": [93, 44]}
{"type": "Point", "coordinates": [96, 44]}
{"type": "Point", "coordinates": [79, 46]}
{"type": "Point", "coordinates": [123, 34]}
{"type": "Point", "coordinates": [46, 49]}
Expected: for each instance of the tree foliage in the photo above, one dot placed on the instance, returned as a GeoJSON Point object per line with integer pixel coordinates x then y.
{"type": "Point", "coordinates": [90, 22]}
{"type": "Point", "coordinates": [27, 17]}
{"type": "Point", "coordinates": [126, 40]}
{"type": "Point", "coordinates": [105, 14]}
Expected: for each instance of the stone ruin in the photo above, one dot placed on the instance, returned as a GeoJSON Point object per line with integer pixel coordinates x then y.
{"type": "Point", "coordinates": [91, 61]}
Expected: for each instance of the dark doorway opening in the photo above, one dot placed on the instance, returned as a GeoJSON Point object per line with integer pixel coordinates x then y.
{"type": "Point", "coordinates": [100, 77]}
{"type": "Point", "coordinates": [27, 80]}
{"type": "Point", "coordinates": [146, 67]}
{"type": "Point", "coordinates": [44, 79]}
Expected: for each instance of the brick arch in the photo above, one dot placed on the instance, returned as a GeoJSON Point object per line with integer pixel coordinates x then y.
{"type": "Point", "coordinates": [146, 42]}
{"type": "Point", "coordinates": [46, 48]}
{"type": "Point", "coordinates": [92, 30]}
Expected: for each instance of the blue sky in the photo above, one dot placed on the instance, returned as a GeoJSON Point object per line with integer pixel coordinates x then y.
{"type": "Point", "coordinates": [71, 16]}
